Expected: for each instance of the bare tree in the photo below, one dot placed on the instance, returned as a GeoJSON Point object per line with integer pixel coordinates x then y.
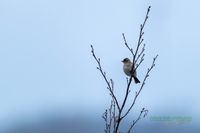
{"type": "Point", "coordinates": [114, 115]}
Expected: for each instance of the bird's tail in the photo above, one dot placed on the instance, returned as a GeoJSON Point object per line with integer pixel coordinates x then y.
{"type": "Point", "coordinates": [136, 79]}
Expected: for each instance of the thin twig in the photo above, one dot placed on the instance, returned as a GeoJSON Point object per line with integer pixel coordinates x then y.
{"type": "Point", "coordinates": [105, 117]}
{"type": "Point", "coordinates": [105, 78]}
{"type": "Point", "coordinates": [126, 44]}
{"type": "Point", "coordinates": [140, 54]}
{"type": "Point", "coordinates": [141, 60]}
{"type": "Point", "coordinates": [110, 116]}
{"type": "Point", "coordinates": [114, 116]}
{"type": "Point", "coordinates": [140, 39]}
{"type": "Point", "coordinates": [143, 111]}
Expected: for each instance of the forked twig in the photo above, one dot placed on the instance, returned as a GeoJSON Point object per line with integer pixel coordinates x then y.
{"type": "Point", "coordinates": [142, 112]}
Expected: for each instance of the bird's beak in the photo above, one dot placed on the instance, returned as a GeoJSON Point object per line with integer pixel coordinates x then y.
{"type": "Point", "coordinates": [122, 61]}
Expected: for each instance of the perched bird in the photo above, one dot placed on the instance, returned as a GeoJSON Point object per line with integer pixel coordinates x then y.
{"type": "Point", "coordinates": [128, 69]}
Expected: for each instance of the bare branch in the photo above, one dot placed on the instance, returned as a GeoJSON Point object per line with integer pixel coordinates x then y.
{"type": "Point", "coordinates": [114, 115]}
{"type": "Point", "coordinates": [112, 84]}
{"type": "Point", "coordinates": [140, 54]}
{"type": "Point", "coordinates": [105, 78]}
{"type": "Point", "coordinates": [142, 112]}
{"type": "Point", "coordinates": [141, 60]}
{"type": "Point", "coordinates": [140, 39]}
{"type": "Point", "coordinates": [110, 116]}
{"type": "Point", "coordinates": [105, 117]}
{"type": "Point", "coordinates": [126, 44]}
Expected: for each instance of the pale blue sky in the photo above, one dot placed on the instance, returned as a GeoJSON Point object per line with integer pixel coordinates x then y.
{"type": "Point", "coordinates": [46, 61]}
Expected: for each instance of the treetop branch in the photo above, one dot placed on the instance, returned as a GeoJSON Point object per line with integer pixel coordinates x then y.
{"type": "Point", "coordinates": [140, 40]}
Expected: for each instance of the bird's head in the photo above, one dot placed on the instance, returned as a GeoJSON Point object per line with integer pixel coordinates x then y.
{"type": "Point", "coordinates": [126, 60]}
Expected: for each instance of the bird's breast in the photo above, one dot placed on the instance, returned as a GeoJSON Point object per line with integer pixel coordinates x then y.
{"type": "Point", "coordinates": [127, 70]}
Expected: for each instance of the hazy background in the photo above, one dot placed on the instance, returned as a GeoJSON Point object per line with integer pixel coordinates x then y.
{"type": "Point", "coordinates": [48, 78]}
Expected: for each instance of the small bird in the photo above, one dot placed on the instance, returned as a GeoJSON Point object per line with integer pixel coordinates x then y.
{"type": "Point", "coordinates": [128, 69]}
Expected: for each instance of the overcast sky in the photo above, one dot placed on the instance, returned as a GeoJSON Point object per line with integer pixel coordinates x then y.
{"type": "Point", "coordinates": [46, 63]}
